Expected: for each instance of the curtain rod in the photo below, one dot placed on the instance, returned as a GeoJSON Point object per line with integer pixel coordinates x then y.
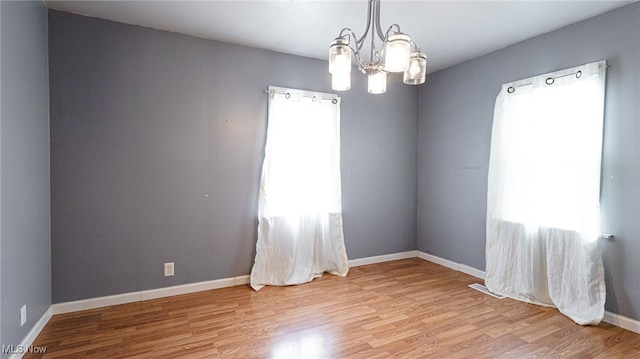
{"type": "Point", "coordinates": [549, 80]}
{"type": "Point", "coordinates": [287, 95]}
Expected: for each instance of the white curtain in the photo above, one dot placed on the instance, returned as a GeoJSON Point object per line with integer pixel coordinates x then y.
{"type": "Point", "coordinates": [543, 214]}
{"type": "Point", "coordinates": [300, 232]}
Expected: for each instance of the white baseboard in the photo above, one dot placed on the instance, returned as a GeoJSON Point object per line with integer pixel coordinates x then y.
{"type": "Point", "coordinates": [611, 318]}
{"type": "Point", "coordinates": [106, 301]}
{"type": "Point", "coordinates": [92, 303]}
{"type": "Point", "coordinates": [622, 322]}
{"type": "Point", "coordinates": [99, 302]}
{"type": "Point", "coordinates": [450, 264]}
{"type": "Point", "coordinates": [33, 334]}
{"type": "Point", "coordinates": [383, 258]}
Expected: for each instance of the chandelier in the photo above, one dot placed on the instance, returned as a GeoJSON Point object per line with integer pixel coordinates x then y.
{"type": "Point", "coordinates": [398, 53]}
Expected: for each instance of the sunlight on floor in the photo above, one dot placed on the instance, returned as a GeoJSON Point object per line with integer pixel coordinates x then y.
{"type": "Point", "coordinates": [307, 346]}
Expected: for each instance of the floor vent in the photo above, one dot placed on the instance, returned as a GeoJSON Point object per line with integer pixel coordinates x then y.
{"type": "Point", "coordinates": [484, 290]}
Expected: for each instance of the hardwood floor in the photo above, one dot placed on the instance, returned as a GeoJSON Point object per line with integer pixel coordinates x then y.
{"type": "Point", "coordinates": [402, 309]}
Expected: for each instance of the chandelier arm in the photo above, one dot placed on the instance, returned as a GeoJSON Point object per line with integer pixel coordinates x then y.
{"type": "Point", "coordinates": [346, 29]}
{"type": "Point", "coordinates": [360, 41]}
{"type": "Point", "coordinates": [361, 63]}
{"type": "Point", "coordinates": [377, 19]}
{"type": "Point", "coordinates": [356, 50]}
{"type": "Point", "coordinates": [415, 46]}
{"type": "Point", "coordinates": [372, 56]}
{"type": "Point", "coordinates": [390, 29]}
{"type": "Point", "coordinates": [351, 35]}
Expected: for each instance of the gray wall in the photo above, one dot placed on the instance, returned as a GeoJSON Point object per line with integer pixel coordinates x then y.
{"type": "Point", "coordinates": [25, 266]}
{"type": "Point", "coordinates": [455, 118]}
{"type": "Point", "coordinates": [156, 147]}
{"type": "Point", "coordinates": [1, 342]}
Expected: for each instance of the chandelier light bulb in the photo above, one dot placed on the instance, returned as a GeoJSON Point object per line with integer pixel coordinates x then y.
{"type": "Point", "coordinates": [377, 82]}
{"type": "Point", "coordinates": [341, 81]}
{"type": "Point", "coordinates": [339, 56]}
{"type": "Point", "coordinates": [414, 68]}
{"type": "Point", "coordinates": [417, 71]}
{"type": "Point", "coordinates": [397, 51]}
{"type": "Point", "coordinates": [342, 63]}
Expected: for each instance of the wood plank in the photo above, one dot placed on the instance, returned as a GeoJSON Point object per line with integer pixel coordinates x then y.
{"type": "Point", "coordinates": [408, 308]}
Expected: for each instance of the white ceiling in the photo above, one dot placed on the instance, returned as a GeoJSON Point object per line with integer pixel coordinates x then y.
{"type": "Point", "coordinates": [449, 32]}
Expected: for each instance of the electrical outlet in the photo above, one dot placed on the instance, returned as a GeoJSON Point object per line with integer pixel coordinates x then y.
{"type": "Point", "coordinates": [168, 269]}
{"type": "Point", "coordinates": [23, 315]}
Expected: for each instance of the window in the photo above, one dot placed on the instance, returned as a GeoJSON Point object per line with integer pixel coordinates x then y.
{"type": "Point", "coordinates": [550, 145]}
{"type": "Point", "coordinates": [543, 203]}
{"type": "Point", "coordinates": [300, 213]}
{"type": "Point", "coordinates": [302, 161]}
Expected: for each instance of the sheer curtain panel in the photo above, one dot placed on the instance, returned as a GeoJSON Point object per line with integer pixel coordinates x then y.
{"type": "Point", "coordinates": [300, 232]}
{"type": "Point", "coordinates": [543, 208]}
